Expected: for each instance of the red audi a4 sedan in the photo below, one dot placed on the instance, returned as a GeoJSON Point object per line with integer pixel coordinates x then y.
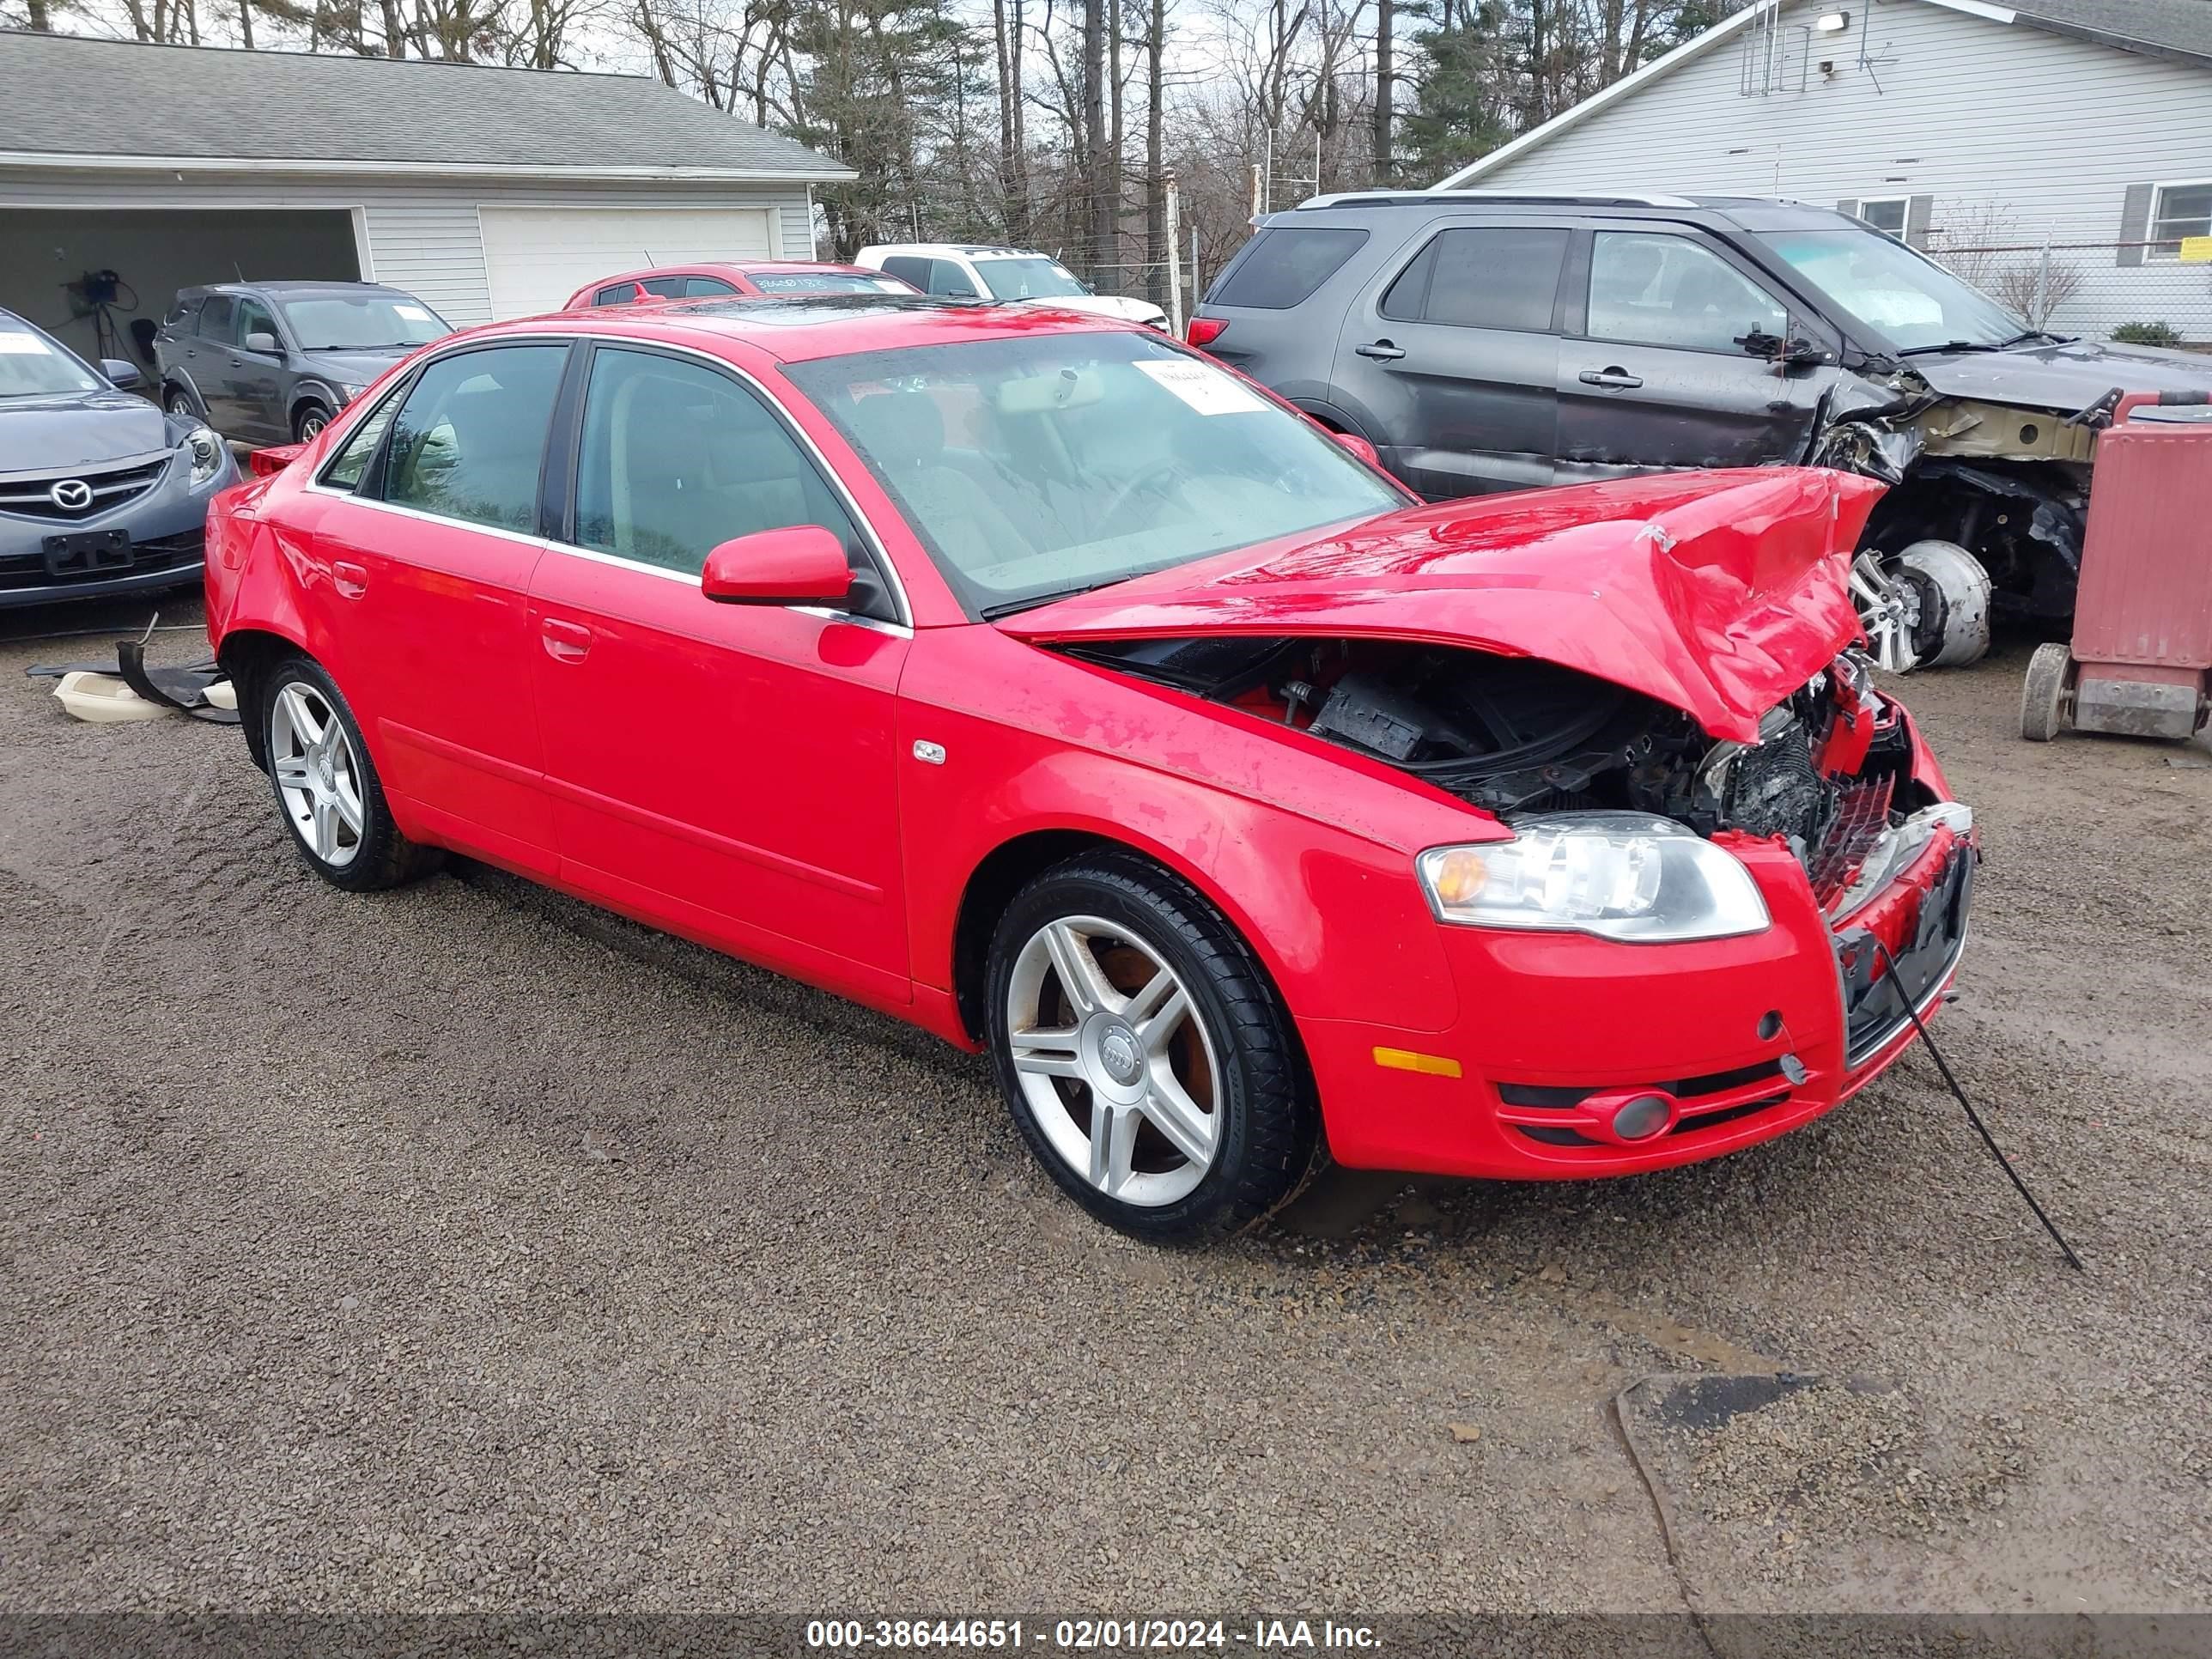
{"type": "Point", "coordinates": [1037, 680]}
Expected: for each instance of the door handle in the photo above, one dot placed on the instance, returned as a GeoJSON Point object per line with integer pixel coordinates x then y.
{"type": "Point", "coordinates": [350, 580]}
{"type": "Point", "coordinates": [565, 642]}
{"type": "Point", "coordinates": [1619, 379]}
{"type": "Point", "coordinates": [238, 363]}
{"type": "Point", "coordinates": [1381, 351]}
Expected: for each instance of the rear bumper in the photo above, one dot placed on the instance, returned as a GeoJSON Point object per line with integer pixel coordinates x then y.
{"type": "Point", "coordinates": [1744, 1039]}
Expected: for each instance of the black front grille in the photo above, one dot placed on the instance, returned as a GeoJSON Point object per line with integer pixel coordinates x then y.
{"type": "Point", "coordinates": [1877, 1004]}
{"type": "Point", "coordinates": [23, 570]}
{"type": "Point", "coordinates": [33, 498]}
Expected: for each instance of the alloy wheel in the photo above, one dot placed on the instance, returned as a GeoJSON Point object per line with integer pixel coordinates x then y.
{"type": "Point", "coordinates": [1889, 610]}
{"type": "Point", "coordinates": [318, 774]}
{"type": "Point", "coordinates": [1114, 1059]}
{"type": "Point", "coordinates": [312, 424]}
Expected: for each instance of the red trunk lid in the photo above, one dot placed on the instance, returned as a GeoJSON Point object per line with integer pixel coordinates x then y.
{"type": "Point", "coordinates": [1719, 593]}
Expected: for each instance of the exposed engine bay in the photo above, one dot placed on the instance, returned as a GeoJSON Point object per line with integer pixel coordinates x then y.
{"type": "Point", "coordinates": [1830, 773]}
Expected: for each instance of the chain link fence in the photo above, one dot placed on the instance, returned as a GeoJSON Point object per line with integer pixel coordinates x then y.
{"type": "Point", "coordinates": [2139, 290]}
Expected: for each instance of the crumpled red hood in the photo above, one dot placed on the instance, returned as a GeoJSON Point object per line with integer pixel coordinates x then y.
{"type": "Point", "coordinates": [1717, 592]}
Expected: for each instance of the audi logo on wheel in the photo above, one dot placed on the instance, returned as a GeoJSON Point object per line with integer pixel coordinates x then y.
{"type": "Point", "coordinates": [71, 494]}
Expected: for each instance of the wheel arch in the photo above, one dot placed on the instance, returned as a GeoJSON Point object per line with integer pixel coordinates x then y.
{"type": "Point", "coordinates": [246, 656]}
{"type": "Point", "coordinates": [310, 392]}
{"type": "Point", "coordinates": [1011, 864]}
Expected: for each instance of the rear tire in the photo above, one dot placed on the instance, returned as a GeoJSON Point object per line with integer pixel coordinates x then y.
{"type": "Point", "coordinates": [2042, 698]}
{"type": "Point", "coordinates": [1146, 1057]}
{"type": "Point", "coordinates": [182, 404]}
{"type": "Point", "coordinates": [327, 790]}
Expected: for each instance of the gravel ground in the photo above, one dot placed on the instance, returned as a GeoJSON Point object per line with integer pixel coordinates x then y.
{"type": "Point", "coordinates": [461, 1248]}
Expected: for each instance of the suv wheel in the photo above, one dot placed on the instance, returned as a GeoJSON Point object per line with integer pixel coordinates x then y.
{"type": "Point", "coordinates": [1147, 1060]}
{"type": "Point", "coordinates": [178, 402]}
{"type": "Point", "coordinates": [309, 422]}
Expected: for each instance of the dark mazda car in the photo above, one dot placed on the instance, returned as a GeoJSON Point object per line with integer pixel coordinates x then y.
{"type": "Point", "coordinates": [101, 493]}
{"type": "Point", "coordinates": [270, 362]}
{"type": "Point", "coordinates": [1488, 340]}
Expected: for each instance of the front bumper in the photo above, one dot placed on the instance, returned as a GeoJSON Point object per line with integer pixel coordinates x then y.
{"type": "Point", "coordinates": [1746, 1038]}
{"type": "Point", "coordinates": [167, 525]}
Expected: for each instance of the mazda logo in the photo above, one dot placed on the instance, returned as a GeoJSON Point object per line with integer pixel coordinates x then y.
{"type": "Point", "coordinates": [71, 494]}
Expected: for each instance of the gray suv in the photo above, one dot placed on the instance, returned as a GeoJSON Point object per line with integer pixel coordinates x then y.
{"type": "Point", "coordinates": [270, 362]}
{"type": "Point", "coordinates": [1487, 341]}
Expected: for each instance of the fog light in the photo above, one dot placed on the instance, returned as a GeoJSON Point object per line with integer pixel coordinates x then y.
{"type": "Point", "coordinates": [1642, 1117]}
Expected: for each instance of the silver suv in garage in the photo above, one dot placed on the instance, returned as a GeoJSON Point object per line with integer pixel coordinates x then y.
{"type": "Point", "coordinates": [270, 362]}
{"type": "Point", "coordinates": [1488, 340]}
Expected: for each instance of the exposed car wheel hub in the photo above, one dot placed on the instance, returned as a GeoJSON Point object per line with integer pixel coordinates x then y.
{"type": "Point", "coordinates": [1113, 1060]}
{"type": "Point", "coordinates": [317, 776]}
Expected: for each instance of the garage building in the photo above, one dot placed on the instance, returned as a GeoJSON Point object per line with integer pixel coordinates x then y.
{"type": "Point", "coordinates": [129, 170]}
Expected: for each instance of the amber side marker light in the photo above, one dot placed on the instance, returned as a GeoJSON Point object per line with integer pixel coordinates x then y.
{"type": "Point", "coordinates": [1405, 1060]}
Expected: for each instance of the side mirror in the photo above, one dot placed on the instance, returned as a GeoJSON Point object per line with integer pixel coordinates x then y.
{"type": "Point", "coordinates": [1359, 446]}
{"type": "Point", "coordinates": [263, 342]}
{"type": "Point", "coordinates": [802, 565]}
{"type": "Point", "coordinates": [124, 376]}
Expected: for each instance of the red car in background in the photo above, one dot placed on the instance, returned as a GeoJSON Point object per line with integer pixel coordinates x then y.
{"type": "Point", "coordinates": [774, 278]}
{"type": "Point", "coordinates": [1036, 680]}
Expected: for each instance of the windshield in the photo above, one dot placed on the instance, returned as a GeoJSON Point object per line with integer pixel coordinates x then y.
{"type": "Point", "coordinates": [1032, 468]}
{"type": "Point", "coordinates": [1910, 302]}
{"type": "Point", "coordinates": [1030, 277]}
{"type": "Point", "coordinates": [32, 366]}
{"type": "Point", "coordinates": [361, 322]}
{"type": "Point", "coordinates": [827, 281]}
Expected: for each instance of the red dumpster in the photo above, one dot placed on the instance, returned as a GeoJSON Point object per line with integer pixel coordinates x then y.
{"type": "Point", "coordinates": [2143, 613]}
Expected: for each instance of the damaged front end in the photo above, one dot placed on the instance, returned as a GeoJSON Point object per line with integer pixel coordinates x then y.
{"type": "Point", "coordinates": [1830, 773]}
{"type": "Point", "coordinates": [1986, 517]}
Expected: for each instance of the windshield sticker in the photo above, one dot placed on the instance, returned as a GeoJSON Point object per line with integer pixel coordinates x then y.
{"type": "Point", "coordinates": [1207, 390]}
{"type": "Point", "coordinates": [13, 344]}
{"type": "Point", "coordinates": [413, 313]}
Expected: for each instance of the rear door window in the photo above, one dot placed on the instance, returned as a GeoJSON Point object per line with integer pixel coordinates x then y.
{"type": "Point", "coordinates": [1506, 276]}
{"type": "Point", "coordinates": [1653, 289]}
{"type": "Point", "coordinates": [214, 317]}
{"type": "Point", "coordinates": [706, 288]}
{"type": "Point", "coordinates": [1284, 266]}
{"type": "Point", "coordinates": [908, 268]}
{"type": "Point", "coordinates": [468, 442]}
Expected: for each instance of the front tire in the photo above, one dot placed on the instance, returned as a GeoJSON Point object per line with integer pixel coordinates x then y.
{"type": "Point", "coordinates": [308, 423]}
{"type": "Point", "coordinates": [1146, 1059]}
{"type": "Point", "coordinates": [326, 787]}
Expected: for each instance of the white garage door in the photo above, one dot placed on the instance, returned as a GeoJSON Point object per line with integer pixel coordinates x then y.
{"type": "Point", "coordinates": [536, 257]}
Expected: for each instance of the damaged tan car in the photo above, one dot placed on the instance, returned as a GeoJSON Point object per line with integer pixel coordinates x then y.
{"type": "Point", "coordinates": [1488, 340]}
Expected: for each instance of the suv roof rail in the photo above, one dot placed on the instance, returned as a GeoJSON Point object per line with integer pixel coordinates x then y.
{"type": "Point", "coordinates": [1431, 198]}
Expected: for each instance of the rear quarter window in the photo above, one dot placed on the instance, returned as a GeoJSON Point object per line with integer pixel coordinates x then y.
{"type": "Point", "coordinates": [1284, 266]}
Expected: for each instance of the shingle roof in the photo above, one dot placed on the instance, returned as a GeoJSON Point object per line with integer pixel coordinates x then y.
{"type": "Point", "coordinates": [69, 96]}
{"type": "Point", "coordinates": [2164, 28]}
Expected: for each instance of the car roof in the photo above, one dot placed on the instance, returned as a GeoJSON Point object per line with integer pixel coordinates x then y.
{"type": "Point", "coordinates": [971, 250]}
{"type": "Point", "coordinates": [290, 287]}
{"type": "Point", "coordinates": [742, 267]}
{"type": "Point", "coordinates": [797, 329]}
{"type": "Point", "coordinates": [1756, 213]}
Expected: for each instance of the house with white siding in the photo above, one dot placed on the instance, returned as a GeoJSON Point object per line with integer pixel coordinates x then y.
{"type": "Point", "coordinates": [128, 171]}
{"type": "Point", "coordinates": [2057, 152]}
